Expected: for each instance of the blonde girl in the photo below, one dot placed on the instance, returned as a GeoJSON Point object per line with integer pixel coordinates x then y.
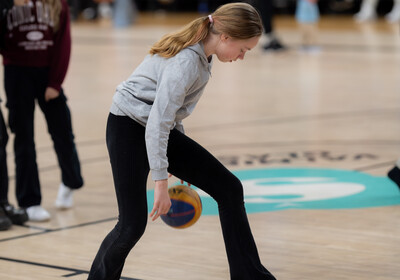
{"type": "Point", "coordinates": [145, 133]}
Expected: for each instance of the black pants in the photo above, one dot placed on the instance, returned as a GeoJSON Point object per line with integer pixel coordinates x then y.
{"type": "Point", "coordinates": [3, 161]}
{"type": "Point", "coordinates": [266, 10]}
{"type": "Point", "coordinates": [25, 85]}
{"type": "Point", "coordinates": [189, 162]}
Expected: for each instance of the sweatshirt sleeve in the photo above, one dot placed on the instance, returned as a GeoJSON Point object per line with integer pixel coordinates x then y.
{"type": "Point", "coordinates": [5, 5]}
{"type": "Point", "coordinates": [172, 87]}
{"type": "Point", "coordinates": [61, 50]}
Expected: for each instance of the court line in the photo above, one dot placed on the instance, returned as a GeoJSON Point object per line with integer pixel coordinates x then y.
{"type": "Point", "coordinates": [357, 142]}
{"type": "Point", "coordinates": [46, 230]}
{"type": "Point", "coordinates": [377, 165]}
{"type": "Point", "coordinates": [73, 270]}
{"type": "Point", "coordinates": [296, 119]}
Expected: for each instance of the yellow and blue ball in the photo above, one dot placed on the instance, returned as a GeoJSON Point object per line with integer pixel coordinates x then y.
{"type": "Point", "coordinates": [185, 208]}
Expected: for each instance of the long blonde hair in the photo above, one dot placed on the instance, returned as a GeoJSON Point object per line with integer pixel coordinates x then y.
{"type": "Point", "coordinates": [55, 7]}
{"type": "Point", "coordinates": [236, 20]}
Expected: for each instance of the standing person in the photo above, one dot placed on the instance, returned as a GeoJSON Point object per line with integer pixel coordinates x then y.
{"type": "Point", "coordinates": [8, 214]}
{"type": "Point", "coordinates": [145, 132]}
{"type": "Point", "coordinates": [368, 11]}
{"type": "Point", "coordinates": [267, 11]}
{"type": "Point", "coordinates": [36, 52]}
{"type": "Point", "coordinates": [307, 15]}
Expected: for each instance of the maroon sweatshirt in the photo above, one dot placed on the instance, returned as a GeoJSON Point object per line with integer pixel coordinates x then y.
{"type": "Point", "coordinates": [29, 39]}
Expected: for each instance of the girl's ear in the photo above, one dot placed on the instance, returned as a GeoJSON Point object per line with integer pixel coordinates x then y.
{"type": "Point", "coordinates": [224, 37]}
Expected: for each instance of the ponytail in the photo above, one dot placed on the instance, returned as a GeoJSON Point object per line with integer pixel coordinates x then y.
{"type": "Point", "coordinates": [189, 35]}
{"type": "Point", "coordinates": [237, 20]}
{"type": "Point", "coordinates": [55, 7]}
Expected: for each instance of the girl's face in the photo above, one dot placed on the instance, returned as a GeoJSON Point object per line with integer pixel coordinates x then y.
{"type": "Point", "coordinates": [229, 49]}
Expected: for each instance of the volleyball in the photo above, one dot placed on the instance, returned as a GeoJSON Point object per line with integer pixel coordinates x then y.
{"type": "Point", "coordinates": [185, 208]}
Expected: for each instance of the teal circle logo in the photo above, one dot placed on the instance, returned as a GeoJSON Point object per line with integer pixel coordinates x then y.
{"type": "Point", "coordinates": [276, 189]}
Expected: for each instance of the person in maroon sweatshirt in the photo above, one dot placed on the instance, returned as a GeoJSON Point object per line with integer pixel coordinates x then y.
{"type": "Point", "coordinates": [8, 213]}
{"type": "Point", "coordinates": [36, 46]}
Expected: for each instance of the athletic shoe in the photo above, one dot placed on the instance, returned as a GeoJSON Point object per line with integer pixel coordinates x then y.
{"type": "Point", "coordinates": [17, 216]}
{"type": "Point", "coordinates": [5, 222]}
{"type": "Point", "coordinates": [365, 15]}
{"type": "Point", "coordinates": [64, 197]}
{"type": "Point", "coordinates": [394, 175]}
{"type": "Point", "coordinates": [274, 45]}
{"type": "Point", "coordinates": [37, 213]}
{"type": "Point", "coordinates": [394, 15]}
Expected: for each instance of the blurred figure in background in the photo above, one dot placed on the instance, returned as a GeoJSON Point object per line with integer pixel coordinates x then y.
{"type": "Point", "coordinates": [307, 15]}
{"type": "Point", "coordinates": [36, 51]}
{"type": "Point", "coordinates": [266, 10]}
{"type": "Point", "coordinates": [8, 214]}
{"type": "Point", "coordinates": [368, 11]}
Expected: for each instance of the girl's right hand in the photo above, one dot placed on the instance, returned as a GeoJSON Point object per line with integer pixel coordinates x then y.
{"type": "Point", "coordinates": [162, 201]}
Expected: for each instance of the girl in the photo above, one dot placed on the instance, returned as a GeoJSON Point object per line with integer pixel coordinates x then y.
{"type": "Point", "coordinates": [36, 51]}
{"type": "Point", "coordinates": [145, 132]}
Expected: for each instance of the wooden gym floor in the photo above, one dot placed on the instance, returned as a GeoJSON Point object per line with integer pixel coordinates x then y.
{"type": "Point", "coordinates": [337, 110]}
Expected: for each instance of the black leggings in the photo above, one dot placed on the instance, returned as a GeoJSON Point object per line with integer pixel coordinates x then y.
{"type": "Point", "coordinates": [189, 162]}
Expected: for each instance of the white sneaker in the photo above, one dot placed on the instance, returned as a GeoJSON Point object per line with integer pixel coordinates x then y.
{"type": "Point", "coordinates": [394, 15]}
{"type": "Point", "coordinates": [64, 197]}
{"type": "Point", "coordinates": [366, 15]}
{"type": "Point", "coordinates": [37, 213]}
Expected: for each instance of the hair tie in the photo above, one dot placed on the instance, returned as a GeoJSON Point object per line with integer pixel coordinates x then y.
{"type": "Point", "coordinates": [210, 18]}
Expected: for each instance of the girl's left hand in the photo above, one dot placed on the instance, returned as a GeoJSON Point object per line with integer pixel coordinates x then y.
{"type": "Point", "coordinates": [51, 93]}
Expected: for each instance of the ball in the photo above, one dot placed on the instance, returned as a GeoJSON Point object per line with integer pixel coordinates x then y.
{"type": "Point", "coordinates": [185, 208]}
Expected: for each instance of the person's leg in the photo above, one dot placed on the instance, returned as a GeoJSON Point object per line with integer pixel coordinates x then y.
{"type": "Point", "coordinates": [19, 86]}
{"type": "Point", "coordinates": [130, 168]}
{"type": "Point", "coordinates": [59, 124]}
{"type": "Point", "coordinates": [266, 10]}
{"type": "Point", "coordinates": [5, 222]}
{"type": "Point", "coordinates": [193, 164]}
{"type": "Point", "coordinates": [394, 15]}
{"type": "Point", "coordinates": [394, 173]}
{"type": "Point", "coordinates": [17, 216]}
{"type": "Point", "coordinates": [367, 11]}
{"type": "Point", "coordinates": [3, 161]}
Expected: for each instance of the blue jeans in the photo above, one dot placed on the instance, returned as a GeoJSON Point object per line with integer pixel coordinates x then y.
{"type": "Point", "coordinates": [25, 85]}
{"type": "Point", "coordinates": [189, 162]}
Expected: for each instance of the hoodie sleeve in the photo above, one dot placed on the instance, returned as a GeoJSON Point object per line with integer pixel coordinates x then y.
{"type": "Point", "coordinates": [61, 50]}
{"type": "Point", "coordinates": [5, 5]}
{"type": "Point", "coordinates": [173, 85]}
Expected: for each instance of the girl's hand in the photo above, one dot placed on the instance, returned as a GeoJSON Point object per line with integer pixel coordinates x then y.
{"type": "Point", "coordinates": [162, 201]}
{"type": "Point", "coordinates": [51, 93]}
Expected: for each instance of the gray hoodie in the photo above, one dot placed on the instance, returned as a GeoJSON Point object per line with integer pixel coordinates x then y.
{"type": "Point", "coordinates": [159, 94]}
